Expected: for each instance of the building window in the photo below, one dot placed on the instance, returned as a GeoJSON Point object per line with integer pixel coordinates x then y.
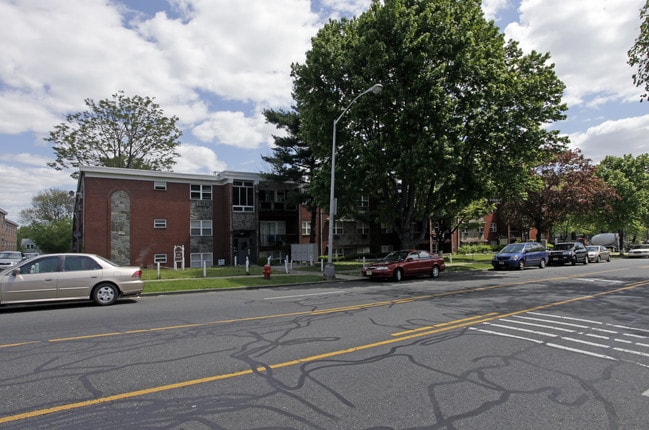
{"type": "Point", "coordinates": [365, 201]}
{"type": "Point", "coordinates": [160, 258]}
{"type": "Point", "coordinates": [362, 227]}
{"type": "Point", "coordinates": [197, 259]}
{"type": "Point", "coordinates": [159, 223]}
{"type": "Point", "coordinates": [363, 251]}
{"type": "Point", "coordinates": [201, 227]}
{"type": "Point", "coordinates": [494, 227]}
{"type": "Point", "coordinates": [386, 249]}
{"type": "Point", "coordinates": [160, 186]}
{"type": "Point", "coordinates": [338, 228]}
{"type": "Point", "coordinates": [200, 192]}
{"type": "Point", "coordinates": [385, 228]}
{"type": "Point", "coordinates": [243, 196]}
{"type": "Point", "coordinates": [272, 233]}
{"type": "Point", "coordinates": [306, 228]}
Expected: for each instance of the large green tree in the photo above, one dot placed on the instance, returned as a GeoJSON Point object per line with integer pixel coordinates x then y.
{"type": "Point", "coordinates": [566, 186]}
{"type": "Point", "coordinates": [639, 53]}
{"type": "Point", "coordinates": [49, 221]}
{"type": "Point", "coordinates": [629, 177]}
{"type": "Point", "coordinates": [463, 114]}
{"type": "Point", "coordinates": [292, 161]}
{"type": "Point", "coordinates": [129, 132]}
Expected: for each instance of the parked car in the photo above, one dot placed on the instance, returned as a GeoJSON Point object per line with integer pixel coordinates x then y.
{"type": "Point", "coordinates": [57, 277]}
{"type": "Point", "coordinates": [10, 258]}
{"type": "Point", "coordinates": [520, 255]}
{"type": "Point", "coordinates": [597, 253]}
{"type": "Point", "coordinates": [405, 263]}
{"type": "Point", "coordinates": [568, 252]}
{"type": "Point", "coordinates": [641, 250]}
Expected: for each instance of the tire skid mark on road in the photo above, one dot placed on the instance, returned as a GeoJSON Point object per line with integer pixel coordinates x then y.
{"type": "Point", "coordinates": [361, 306]}
{"type": "Point", "coordinates": [452, 325]}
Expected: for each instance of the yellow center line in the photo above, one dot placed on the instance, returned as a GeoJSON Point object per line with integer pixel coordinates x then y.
{"type": "Point", "coordinates": [414, 334]}
{"type": "Point", "coordinates": [306, 313]}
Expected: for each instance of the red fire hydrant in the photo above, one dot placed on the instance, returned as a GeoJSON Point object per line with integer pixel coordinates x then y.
{"type": "Point", "coordinates": [267, 271]}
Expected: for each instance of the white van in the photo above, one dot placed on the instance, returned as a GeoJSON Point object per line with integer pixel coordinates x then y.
{"type": "Point", "coordinates": [10, 258]}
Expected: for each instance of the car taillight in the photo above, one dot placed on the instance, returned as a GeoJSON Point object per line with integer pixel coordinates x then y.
{"type": "Point", "coordinates": [137, 274]}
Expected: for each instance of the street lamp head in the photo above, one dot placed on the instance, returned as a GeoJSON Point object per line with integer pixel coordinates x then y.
{"type": "Point", "coordinates": [376, 88]}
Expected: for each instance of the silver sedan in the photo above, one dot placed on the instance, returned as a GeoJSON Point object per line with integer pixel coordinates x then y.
{"type": "Point", "coordinates": [63, 277]}
{"type": "Point", "coordinates": [598, 253]}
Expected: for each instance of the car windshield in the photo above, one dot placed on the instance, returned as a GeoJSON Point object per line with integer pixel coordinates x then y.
{"type": "Point", "coordinates": [513, 248]}
{"type": "Point", "coordinates": [563, 246]}
{"type": "Point", "coordinates": [592, 248]}
{"type": "Point", "coordinates": [642, 246]}
{"type": "Point", "coordinates": [10, 255]}
{"type": "Point", "coordinates": [395, 256]}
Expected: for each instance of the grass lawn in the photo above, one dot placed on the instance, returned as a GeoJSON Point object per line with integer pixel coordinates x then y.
{"type": "Point", "coordinates": [169, 280]}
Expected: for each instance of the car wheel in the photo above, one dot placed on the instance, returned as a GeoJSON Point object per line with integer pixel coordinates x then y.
{"type": "Point", "coordinates": [398, 274]}
{"type": "Point", "coordinates": [521, 265]}
{"type": "Point", "coordinates": [608, 259]}
{"type": "Point", "coordinates": [599, 259]}
{"type": "Point", "coordinates": [435, 272]}
{"type": "Point", "coordinates": [573, 261]}
{"type": "Point", "coordinates": [104, 294]}
{"type": "Point", "coordinates": [542, 263]}
{"type": "Point", "coordinates": [586, 260]}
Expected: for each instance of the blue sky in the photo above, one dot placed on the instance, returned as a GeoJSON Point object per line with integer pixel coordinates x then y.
{"type": "Point", "coordinates": [216, 64]}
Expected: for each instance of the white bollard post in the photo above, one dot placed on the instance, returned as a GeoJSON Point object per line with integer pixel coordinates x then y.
{"type": "Point", "coordinates": [158, 265]}
{"type": "Point", "coordinates": [247, 266]}
{"type": "Point", "coordinates": [286, 264]}
{"type": "Point", "coordinates": [204, 269]}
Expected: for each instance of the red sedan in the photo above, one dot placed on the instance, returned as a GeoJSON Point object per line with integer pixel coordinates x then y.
{"type": "Point", "coordinates": [405, 263]}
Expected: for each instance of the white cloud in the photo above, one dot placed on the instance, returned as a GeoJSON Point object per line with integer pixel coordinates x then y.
{"type": "Point", "coordinates": [587, 41]}
{"type": "Point", "coordinates": [58, 53]}
{"type": "Point", "coordinates": [198, 159]}
{"type": "Point", "coordinates": [337, 8]}
{"type": "Point", "coordinates": [492, 7]}
{"type": "Point", "coordinates": [234, 129]}
{"type": "Point", "coordinates": [617, 138]}
{"type": "Point", "coordinates": [23, 177]}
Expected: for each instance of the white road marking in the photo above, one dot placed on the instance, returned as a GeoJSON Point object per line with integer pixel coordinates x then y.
{"type": "Point", "coordinates": [606, 281]}
{"type": "Point", "coordinates": [555, 322]}
{"type": "Point", "coordinates": [630, 351]}
{"type": "Point", "coordinates": [506, 335]}
{"type": "Point", "coordinates": [304, 295]}
{"type": "Point", "coordinates": [572, 339]}
{"type": "Point", "coordinates": [581, 351]}
{"type": "Point", "coordinates": [522, 329]}
{"type": "Point", "coordinates": [539, 325]}
{"type": "Point", "coordinates": [565, 318]}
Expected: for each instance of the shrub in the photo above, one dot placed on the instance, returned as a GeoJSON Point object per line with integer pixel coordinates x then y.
{"type": "Point", "coordinates": [474, 249]}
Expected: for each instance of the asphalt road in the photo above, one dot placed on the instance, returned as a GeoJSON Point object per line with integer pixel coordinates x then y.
{"type": "Point", "coordinates": [555, 348]}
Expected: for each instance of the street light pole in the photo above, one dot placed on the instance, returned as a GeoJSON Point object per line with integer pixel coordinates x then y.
{"type": "Point", "coordinates": [330, 271]}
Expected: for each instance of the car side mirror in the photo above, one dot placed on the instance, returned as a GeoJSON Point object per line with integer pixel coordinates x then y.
{"type": "Point", "coordinates": [15, 272]}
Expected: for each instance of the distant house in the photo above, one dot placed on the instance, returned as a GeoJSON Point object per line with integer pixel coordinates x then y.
{"type": "Point", "coordinates": [8, 233]}
{"type": "Point", "coordinates": [29, 246]}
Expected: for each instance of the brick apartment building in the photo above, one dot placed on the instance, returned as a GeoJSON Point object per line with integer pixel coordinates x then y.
{"type": "Point", "coordinates": [8, 233]}
{"type": "Point", "coordinates": [144, 217]}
